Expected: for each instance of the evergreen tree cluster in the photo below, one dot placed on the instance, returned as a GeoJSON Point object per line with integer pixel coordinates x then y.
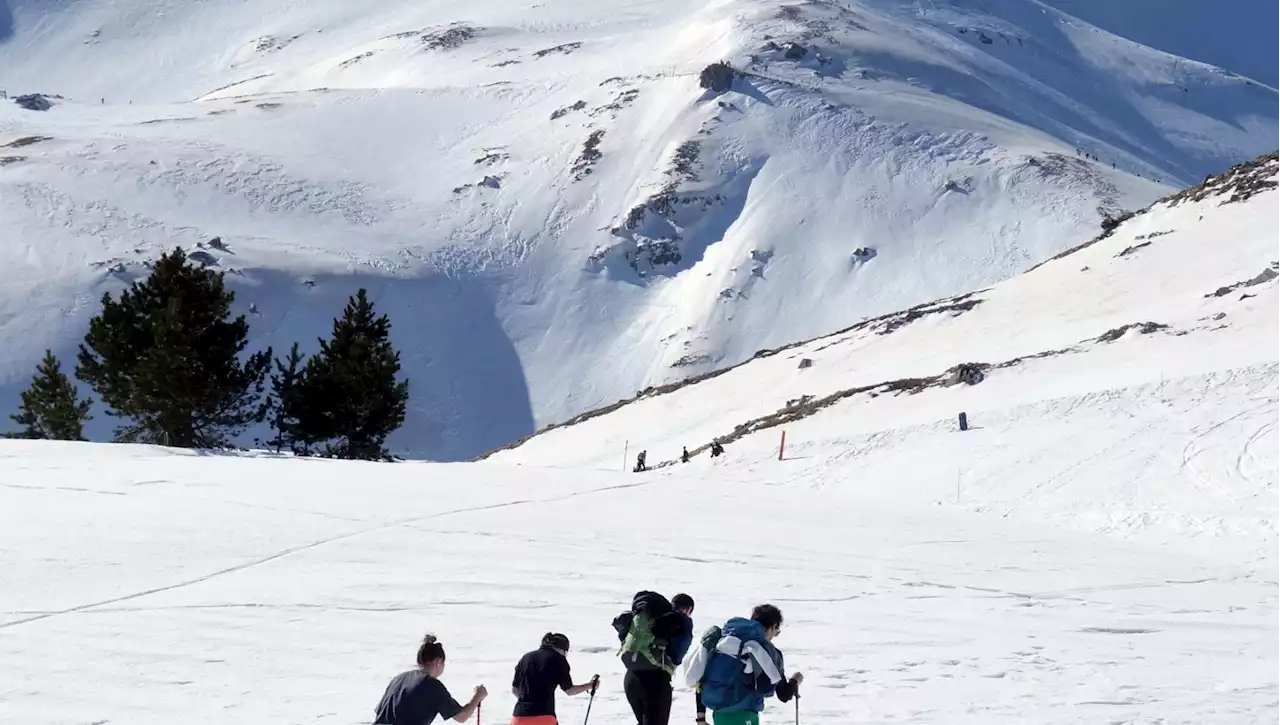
{"type": "Point", "coordinates": [51, 408]}
{"type": "Point", "coordinates": [168, 360]}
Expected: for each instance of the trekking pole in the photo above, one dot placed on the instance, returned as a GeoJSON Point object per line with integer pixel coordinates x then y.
{"type": "Point", "coordinates": [595, 682]}
{"type": "Point", "coordinates": [797, 708]}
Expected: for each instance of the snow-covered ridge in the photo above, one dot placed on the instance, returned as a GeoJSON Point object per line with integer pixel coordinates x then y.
{"type": "Point", "coordinates": [1194, 269]}
{"type": "Point", "coordinates": [551, 209]}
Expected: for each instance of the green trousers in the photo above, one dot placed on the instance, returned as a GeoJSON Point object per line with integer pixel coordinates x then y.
{"type": "Point", "coordinates": [736, 717]}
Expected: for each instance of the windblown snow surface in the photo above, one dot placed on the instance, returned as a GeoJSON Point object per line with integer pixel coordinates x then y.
{"type": "Point", "coordinates": [552, 211]}
{"type": "Point", "coordinates": [1098, 547]}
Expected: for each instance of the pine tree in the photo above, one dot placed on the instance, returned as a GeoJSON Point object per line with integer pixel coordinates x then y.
{"type": "Point", "coordinates": [166, 356]}
{"type": "Point", "coordinates": [351, 398]}
{"type": "Point", "coordinates": [51, 408]}
{"type": "Point", "coordinates": [286, 404]}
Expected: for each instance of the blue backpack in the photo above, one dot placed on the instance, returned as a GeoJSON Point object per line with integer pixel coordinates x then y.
{"type": "Point", "coordinates": [726, 684]}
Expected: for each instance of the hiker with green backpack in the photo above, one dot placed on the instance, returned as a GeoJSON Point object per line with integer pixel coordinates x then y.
{"type": "Point", "coordinates": [655, 635]}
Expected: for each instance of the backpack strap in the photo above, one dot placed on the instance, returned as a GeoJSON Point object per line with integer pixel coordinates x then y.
{"type": "Point", "coordinates": [745, 658]}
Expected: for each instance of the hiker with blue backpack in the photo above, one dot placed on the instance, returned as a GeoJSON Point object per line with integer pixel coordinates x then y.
{"type": "Point", "coordinates": [655, 635]}
{"type": "Point", "coordinates": [737, 666]}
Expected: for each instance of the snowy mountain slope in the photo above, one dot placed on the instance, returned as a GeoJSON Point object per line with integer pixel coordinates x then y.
{"type": "Point", "coordinates": [209, 589]}
{"type": "Point", "coordinates": [1152, 349]}
{"type": "Point", "coordinates": [550, 208]}
{"type": "Point", "coordinates": [1239, 40]}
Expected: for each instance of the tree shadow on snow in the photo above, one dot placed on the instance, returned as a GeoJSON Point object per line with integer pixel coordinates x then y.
{"type": "Point", "coordinates": [467, 389]}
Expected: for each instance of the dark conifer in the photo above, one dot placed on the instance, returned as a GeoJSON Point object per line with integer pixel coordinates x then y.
{"type": "Point", "coordinates": [350, 398]}
{"type": "Point", "coordinates": [51, 408]}
{"type": "Point", "coordinates": [166, 357]}
{"type": "Point", "coordinates": [286, 403]}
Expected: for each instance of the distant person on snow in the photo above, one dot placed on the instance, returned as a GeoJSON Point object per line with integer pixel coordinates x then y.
{"type": "Point", "coordinates": [416, 697]}
{"type": "Point", "coordinates": [640, 466]}
{"type": "Point", "coordinates": [684, 455]}
{"type": "Point", "coordinates": [737, 667]}
{"type": "Point", "coordinates": [537, 676]}
{"type": "Point", "coordinates": [716, 449]}
{"type": "Point", "coordinates": [655, 636]}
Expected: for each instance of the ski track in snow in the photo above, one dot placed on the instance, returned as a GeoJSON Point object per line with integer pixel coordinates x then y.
{"type": "Point", "coordinates": [287, 552]}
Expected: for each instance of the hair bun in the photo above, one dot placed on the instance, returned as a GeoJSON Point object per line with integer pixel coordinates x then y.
{"type": "Point", "coordinates": [430, 650]}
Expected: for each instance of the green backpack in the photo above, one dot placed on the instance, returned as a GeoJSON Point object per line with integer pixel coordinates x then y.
{"type": "Point", "coordinates": [645, 645]}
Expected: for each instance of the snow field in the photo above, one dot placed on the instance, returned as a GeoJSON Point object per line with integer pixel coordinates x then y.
{"type": "Point", "coordinates": [144, 585]}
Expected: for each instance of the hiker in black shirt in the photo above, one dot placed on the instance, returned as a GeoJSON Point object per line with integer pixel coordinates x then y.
{"type": "Point", "coordinates": [537, 676]}
{"type": "Point", "coordinates": [416, 697]}
{"type": "Point", "coordinates": [656, 635]}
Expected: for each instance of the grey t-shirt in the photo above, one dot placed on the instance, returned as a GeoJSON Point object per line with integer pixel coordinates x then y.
{"type": "Point", "coordinates": [415, 698]}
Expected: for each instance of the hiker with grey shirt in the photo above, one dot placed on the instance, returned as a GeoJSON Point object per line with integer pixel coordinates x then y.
{"type": "Point", "coordinates": [416, 697]}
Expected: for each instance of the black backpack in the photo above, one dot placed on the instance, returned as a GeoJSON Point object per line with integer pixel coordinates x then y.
{"type": "Point", "coordinates": [647, 631]}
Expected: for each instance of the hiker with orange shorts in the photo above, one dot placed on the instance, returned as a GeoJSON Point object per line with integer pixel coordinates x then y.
{"type": "Point", "coordinates": [537, 676]}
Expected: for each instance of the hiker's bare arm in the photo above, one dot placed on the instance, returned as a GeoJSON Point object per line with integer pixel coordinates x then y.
{"type": "Point", "coordinates": [585, 687]}
{"type": "Point", "coordinates": [472, 705]}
